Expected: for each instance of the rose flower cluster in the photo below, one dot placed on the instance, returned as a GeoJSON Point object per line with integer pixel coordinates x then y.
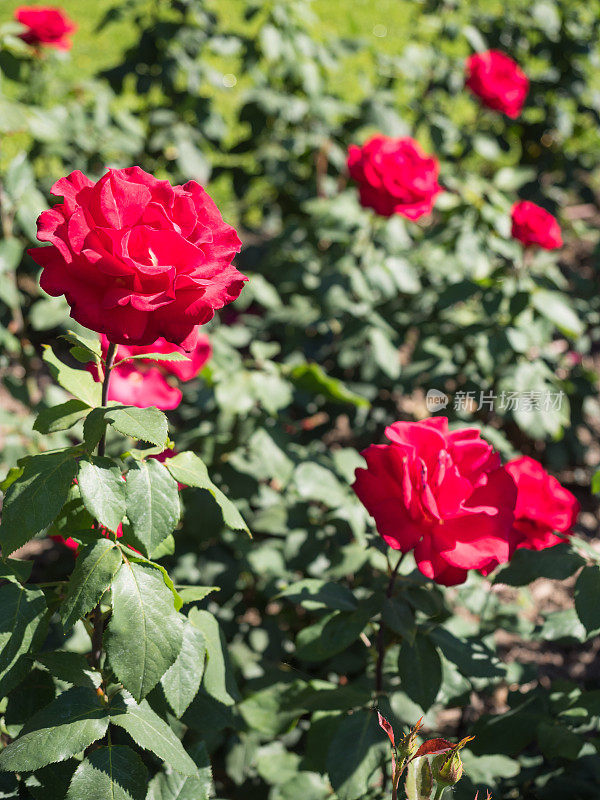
{"type": "Point", "coordinates": [446, 496]}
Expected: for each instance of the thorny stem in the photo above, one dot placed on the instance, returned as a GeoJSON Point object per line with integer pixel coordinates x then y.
{"type": "Point", "coordinates": [381, 632]}
{"type": "Point", "coordinates": [97, 618]}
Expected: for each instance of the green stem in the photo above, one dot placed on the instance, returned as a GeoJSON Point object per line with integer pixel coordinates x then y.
{"type": "Point", "coordinates": [110, 357]}
{"type": "Point", "coordinates": [381, 632]}
{"type": "Point", "coordinates": [439, 792]}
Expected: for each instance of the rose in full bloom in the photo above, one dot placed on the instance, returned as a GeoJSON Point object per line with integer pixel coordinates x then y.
{"type": "Point", "coordinates": [543, 507]}
{"type": "Point", "coordinates": [183, 370]}
{"type": "Point", "coordinates": [443, 494]}
{"type": "Point", "coordinates": [137, 258]}
{"type": "Point", "coordinates": [532, 225]}
{"type": "Point", "coordinates": [498, 82]}
{"type": "Point", "coordinates": [394, 176]}
{"type": "Point", "coordinates": [46, 25]}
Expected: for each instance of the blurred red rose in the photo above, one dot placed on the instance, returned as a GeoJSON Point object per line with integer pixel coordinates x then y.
{"type": "Point", "coordinates": [533, 225]}
{"type": "Point", "coordinates": [184, 370]}
{"type": "Point", "coordinates": [394, 176]}
{"type": "Point", "coordinates": [543, 506]}
{"type": "Point", "coordinates": [137, 258]}
{"type": "Point", "coordinates": [498, 81]}
{"type": "Point", "coordinates": [443, 494]}
{"type": "Point", "coordinates": [142, 387]}
{"type": "Point", "coordinates": [46, 25]}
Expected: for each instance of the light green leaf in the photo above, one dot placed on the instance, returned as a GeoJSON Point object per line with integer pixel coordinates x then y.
{"type": "Point", "coordinates": [35, 499]}
{"type": "Point", "coordinates": [150, 732]}
{"type": "Point", "coordinates": [182, 680]}
{"type": "Point", "coordinates": [22, 612]}
{"type": "Point", "coordinates": [65, 727]}
{"type": "Point", "coordinates": [193, 594]}
{"type": "Point", "coordinates": [78, 382]}
{"type": "Point", "coordinates": [144, 634]}
{"type": "Point", "coordinates": [173, 786]}
{"type": "Point", "coordinates": [102, 490]}
{"type": "Point", "coordinates": [95, 568]}
{"type": "Point", "coordinates": [556, 307]}
{"type": "Point", "coordinates": [218, 678]}
{"type": "Point", "coordinates": [152, 504]}
{"type": "Point", "coordinates": [61, 417]}
{"type": "Point", "coordinates": [189, 469]}
{"type": "Point", "coordinates": [354, 755]}
{"type": "Point", "coordinates": [115, 772]}
{"type": "Point", "coordinates": [419, 780]}
{"type": "Point", "coordinates": [174, 356]}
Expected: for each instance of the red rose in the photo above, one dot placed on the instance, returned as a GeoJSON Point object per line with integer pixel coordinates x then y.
{"type": "Point", "coordinates": [498, 81]}
{"type": "Point", "coordinates": [137, 258]}
{"type": "Point", "coordinates": [533, 225]}
{"type": "Point", "coordinates": [543, 506]}
{"type": "Point", "coordinates": [184, 370]}
{"type": "Point", "coordinates": [142, 387]}
{"type": "Point", "coordinates": [394, 176]}
{"type": "Point", "coordinates": [443, 494]}
{"type": "Point", "coordinates": [46, 25]}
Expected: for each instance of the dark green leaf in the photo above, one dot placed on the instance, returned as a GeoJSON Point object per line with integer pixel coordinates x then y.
{"type": "Point", "coordinates": [472, 657]}
{"type": "Point", "coordinates": [558, 562]}
{"type": "Point", "coordinates": [22, 613]}
{"type": "Point", "coordinates": [61, 417]}
{"type": "Point", "coordinates": [145, 632]}
{"type": "Point", "coordinates": [115, 772]}
{"type": "Point", "coordinates": [355, 755]}
{"type": "Point", "coordinates": [316, 594]}
{"type": "Point", "coordinates": [152, 504]}
{"type": "Point", "coordinates": [399, 617]}
{"type": "Point", "coordinates": [331, 634]}
{"type": "Point", "coordinates": [143, 424]}
{"type": "Point", "coordinates": [95, 568]}
{"type": "Point", "coordinates": [587, 598]}
{"type": "Point", "coordinates": [72, 722]}
{"type": "Point", "coordinates": [173, 786]}
{"type": "Point", "coordinates": [36, 498]}
{"type": "Point", "coordinates": [420, 670]}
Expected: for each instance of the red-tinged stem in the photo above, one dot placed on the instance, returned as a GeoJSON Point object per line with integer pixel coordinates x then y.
{"type": "Point", "coordinates": [381, 632]}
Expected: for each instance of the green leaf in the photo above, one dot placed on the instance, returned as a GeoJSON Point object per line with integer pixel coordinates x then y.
{"type": "Point", "coordinates": [143, 424]}
{"type": "Point", "coordinates": [15, 569]}
{"type": "Point", "coordinates": [102, 490]}
{"type": "Point", "coordinates": [182, 680]}
{"type": "Point", "coordinates": [52, 782]}
{"type": "Point", "coordinates": [70, 667]}
{"type": "Point", "coordinates": [355, 755]}
{"type": "Point", "coordinates": [314, 594]}
{"type": "Point", "coordinates": [319, 484]}
{"type": "Point", "coordinates": [312, 378]}
{"type": "Point", "coordinates": [556, 307]}
{"type": "Point", "coordinates": [587, 598]}
{"type": "Point", "coordinates": [114, 772]}
{"type": "Point", "coordinates": [173, 786]}
{"type": "Point", "coordinates": [22, 614]}
{"type": "Point", "coordinates": [420, 670]}
{"type": "Point", "coordinates": [36, 498]}
{"type": "Point", "coordinates": [419, 780]}
{"type": "Point", "coordinates": [95, 568]}
{"type": "Point", "coordinates": [190, 470]}
{"type": "Point", "coordinates": [152, 504]}
{"type": "Point", "coordinates": [84, 349]}
{"type": "Point", "coordinates": [138, 558]}
{"type": "Point", "coordinates": [72, 722]}
{"type": "Point", "coordinates": [472, 657]}
{"type": "Point", "coordinates": [150, 732]}
{"type": "Point", "coordinates": [174, 356]}
{"type": "Point", "coordinates": [61, 417]}
{"type": "Point", "coordinates": [78, 382]}
{"type": "Point", "coordinates": [557, 563]}
{"type": "Point", "coordinates": [193, 594]}
{"type": "Point", "coordinates": [14, 473]}
{"type": "Point", "coordinates": [400, 618]}
{"type": "Point", "coordinates": [218, 679]}
{"type": "Point", "coordinates": [332, 634]}
{"type": "Point", "coordinates": [144, 634]}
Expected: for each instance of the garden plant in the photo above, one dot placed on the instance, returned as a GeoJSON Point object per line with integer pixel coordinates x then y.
{"type": "Point", "coordinates": [299, 329]}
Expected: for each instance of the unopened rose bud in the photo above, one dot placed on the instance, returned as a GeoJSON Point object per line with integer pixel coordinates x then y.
{"type": "Point", "coordinates": [447, 769]}
{"type": "Point", "coordinates": [409, 745]}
